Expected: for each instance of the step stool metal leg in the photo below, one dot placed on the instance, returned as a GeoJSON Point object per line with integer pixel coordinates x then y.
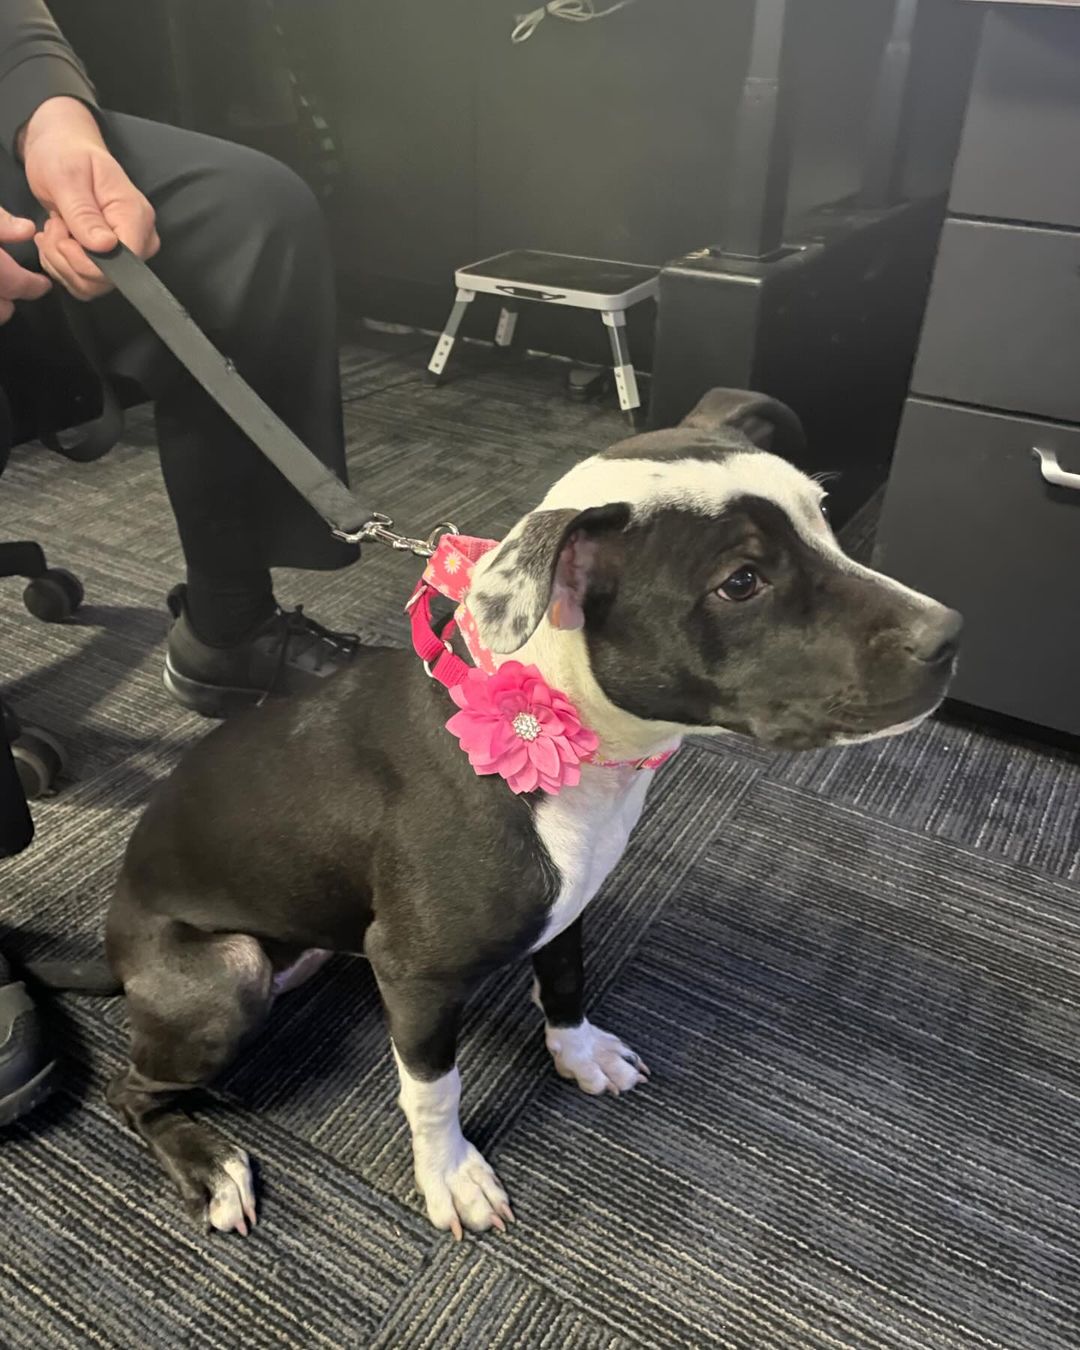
{"type": "Point", "coordinates": [625, 379]}
{"type": "Point", "coordinates": [445, 344]}
{"type": "Point", "coordinates": [504, 330]}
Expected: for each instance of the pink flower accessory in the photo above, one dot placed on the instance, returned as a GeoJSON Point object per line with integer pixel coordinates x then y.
{"type": "Point", "coordinates": [510, 721]}
{"type": "Point", "coordinates": [513, 724]}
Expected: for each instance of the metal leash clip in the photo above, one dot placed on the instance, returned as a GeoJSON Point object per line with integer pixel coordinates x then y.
{"type": "Point", "coordinates": [380, 529]}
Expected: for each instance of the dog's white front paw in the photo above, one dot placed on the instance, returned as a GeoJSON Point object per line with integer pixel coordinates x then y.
{"type": "Point", "coordinates": [464, 1192]}
{"type": "Point", "coordinates": [596, 1060]}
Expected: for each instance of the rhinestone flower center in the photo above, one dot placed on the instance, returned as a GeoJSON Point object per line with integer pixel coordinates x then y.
{"type": "Point", "coordinates": [526, 726]}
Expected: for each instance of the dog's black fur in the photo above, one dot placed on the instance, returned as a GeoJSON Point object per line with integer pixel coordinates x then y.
{"type": "Point", "coordinates": [350, 821]}
{"type": "Point", "coordinates": [821, 653]}
{"type": "Point", "coordinates": [296, 825]}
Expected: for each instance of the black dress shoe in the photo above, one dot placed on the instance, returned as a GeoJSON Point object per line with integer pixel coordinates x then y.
{"type": "Point", "coordinates": [287, 654]}
{"type": "Point", "coordinates": [27, 1070]}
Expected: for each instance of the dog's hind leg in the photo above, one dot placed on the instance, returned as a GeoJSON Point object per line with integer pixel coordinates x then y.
{"type": "Point", "coordinates": [193, 998]}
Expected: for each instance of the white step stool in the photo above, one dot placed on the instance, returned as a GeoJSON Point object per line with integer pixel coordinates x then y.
{"type": "Point", "coordinates": [554, 279]}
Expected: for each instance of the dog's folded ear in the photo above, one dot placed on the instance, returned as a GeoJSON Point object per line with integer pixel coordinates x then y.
{"type": "Point", "coordinates": [543, 566]}
{"type": "Point", "coordinates": [770, 424]}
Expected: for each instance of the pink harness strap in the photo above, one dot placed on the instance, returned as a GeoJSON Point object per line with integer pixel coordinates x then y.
{"type": "Point", "coordinates": [440, 662]}
{"type": "Point", "coordinates": [449, 572]}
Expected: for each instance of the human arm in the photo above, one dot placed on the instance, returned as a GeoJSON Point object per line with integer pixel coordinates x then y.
{"type": "Point", "coordinates": [47, 120]}
{"type": "Point", "coordinates": [91, 201]}
{"type": "Point", "coordinates": [36, 64]}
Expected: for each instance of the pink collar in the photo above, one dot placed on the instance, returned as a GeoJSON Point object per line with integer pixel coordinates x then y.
{"type": "Point", "coordinates": [510, 721]}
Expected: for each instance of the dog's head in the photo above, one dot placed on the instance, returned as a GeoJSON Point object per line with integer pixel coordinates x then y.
{"type": "Point", "coordinates": [706, 589]}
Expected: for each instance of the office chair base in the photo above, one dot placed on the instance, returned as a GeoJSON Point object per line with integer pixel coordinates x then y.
{"type": "Point", "coordinates": [23, 1100]}
{"type": "Point", "coordinates": [39, 762]}
{"type": "Point", "coordinates": [54, 596]}
{"type": "Point", "coordinates": [12, 727]}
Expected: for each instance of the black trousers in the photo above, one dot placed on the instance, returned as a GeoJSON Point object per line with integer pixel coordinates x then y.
{"type": "Point", "coordinates": [243, 246]}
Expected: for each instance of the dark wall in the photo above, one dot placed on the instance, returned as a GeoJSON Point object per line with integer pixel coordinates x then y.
{"type": "Point", "coordinates": [590, 138]}
{"type": "Point", "coordinates": [946, 44]}
{"type": "Point", "coordinates": [127, 47]}
{"type": "Point", "coordinates": [839, 46]}
{"type": "Point", "coordinates": [611, 137]}
{"type": "Point", "coordinates": [608, 138]}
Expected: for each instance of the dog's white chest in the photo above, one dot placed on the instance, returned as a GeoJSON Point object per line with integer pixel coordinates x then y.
{"type": "Point", "coordinates": [585, 832]}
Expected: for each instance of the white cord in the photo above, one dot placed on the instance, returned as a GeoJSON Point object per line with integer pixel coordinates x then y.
{"type": "Point", "coordinates": [576, 11]}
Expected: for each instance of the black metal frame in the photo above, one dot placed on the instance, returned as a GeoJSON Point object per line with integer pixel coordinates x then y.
{"type": "Point", "coordinates": [16, 823]}
{"type": "Point", "coordinates": [756, 212]}
{"type": "Point", "coordinates": [883, 164]}
{"type": "Point", "coordinates": [761, 160]}
{"type": "Point", "coordinates": [821, 310]}
{"type": "Point", "coordinates": [22, 559]}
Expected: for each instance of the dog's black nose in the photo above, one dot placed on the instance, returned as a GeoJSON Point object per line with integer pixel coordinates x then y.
{"type": "Point", "coordinates": [934, 638]}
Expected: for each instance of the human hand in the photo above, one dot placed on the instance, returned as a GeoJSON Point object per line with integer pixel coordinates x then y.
{"type": "Point", "coordinates": [91, 201]}
{"type": "Point", "coordinates": [16, 283]}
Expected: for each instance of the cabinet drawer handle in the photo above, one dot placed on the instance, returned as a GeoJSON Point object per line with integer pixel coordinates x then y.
{"type": "Point", "coordinates": [1053, 472]}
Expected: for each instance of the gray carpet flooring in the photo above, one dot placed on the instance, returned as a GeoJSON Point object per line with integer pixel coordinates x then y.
{"type": "Point", "coordinates": [854, 975]}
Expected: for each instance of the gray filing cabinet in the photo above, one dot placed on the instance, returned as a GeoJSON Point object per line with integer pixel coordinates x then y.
{"type": "Point", "coordinates": [968, 515]}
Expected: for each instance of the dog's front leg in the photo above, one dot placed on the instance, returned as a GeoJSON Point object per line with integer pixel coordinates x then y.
{"type": "Point", "coordinates": [596, 1060]}
{"type": "Point", "coordinates": [459, 1187]}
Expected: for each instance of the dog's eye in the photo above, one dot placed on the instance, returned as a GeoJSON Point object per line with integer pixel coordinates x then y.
{"type": "Point", "coordinates": [741, 585]}
{"type": "Point", "coordinates": [825, 507]}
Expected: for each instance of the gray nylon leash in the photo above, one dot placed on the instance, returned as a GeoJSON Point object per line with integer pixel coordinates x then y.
{"type": "Point", "coordinates": [342, 511]}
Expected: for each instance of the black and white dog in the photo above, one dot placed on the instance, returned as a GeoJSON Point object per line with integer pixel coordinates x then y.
{"type": "Point", "coordinates": [684, 581]}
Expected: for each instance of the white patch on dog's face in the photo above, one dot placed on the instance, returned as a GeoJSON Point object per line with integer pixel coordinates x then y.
{"type": "Point", "coordinates": [511, 586]}
{"type": "Point", "coordinates": [821, 656]}
{"type": "Point", "coordinates": [706, 487]}
{"type": "Point", "coordinates": [701, 485]}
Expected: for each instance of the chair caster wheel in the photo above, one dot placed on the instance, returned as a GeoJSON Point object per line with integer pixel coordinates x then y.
{"type": "Point", "coordinates": [39, 761]}
{"type": "Point", "coordinates": [585, 383]}
{"type": "Point", "coordinates": [55, 596]}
